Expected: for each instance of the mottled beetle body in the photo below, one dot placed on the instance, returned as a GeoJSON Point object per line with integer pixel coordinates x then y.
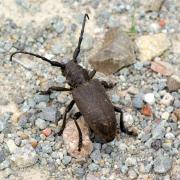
{"type": "Point", "coordinates": [97, 109]}
{"type": "Point", "coordinates": [89, 95]}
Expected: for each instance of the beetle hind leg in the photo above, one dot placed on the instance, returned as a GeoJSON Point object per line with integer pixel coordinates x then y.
{"type": "Point", "coordinates": [68, 108]}
{"type": "Point", "coordinates": [75, 117]}
{"type": "Point", "coordinates": [122, 127]}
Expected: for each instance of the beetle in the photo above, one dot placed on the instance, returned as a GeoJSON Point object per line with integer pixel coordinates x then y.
{"type": "Point", "coordinates": [89, 95]}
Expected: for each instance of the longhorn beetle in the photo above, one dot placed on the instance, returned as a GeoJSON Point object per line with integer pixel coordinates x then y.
{"type": "Point", "coordinates": [89, 95]}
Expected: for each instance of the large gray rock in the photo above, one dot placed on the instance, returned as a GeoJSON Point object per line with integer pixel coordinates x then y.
{"type": "Point", "coordinates": [152, 5]}
{"type": "Point", "coordinates": [116, 52]}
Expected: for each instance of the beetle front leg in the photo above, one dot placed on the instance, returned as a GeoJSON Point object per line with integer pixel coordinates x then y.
{"type": "Point", "coordinates": [122, 127]}
{"type": "Point", "coordinates": [54, 88]}
{"type": "Point", "coordinates": [68, 108]}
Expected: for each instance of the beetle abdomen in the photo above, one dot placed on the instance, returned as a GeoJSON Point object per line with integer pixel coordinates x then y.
{"type": "Point", "coordinates": [97, 109]}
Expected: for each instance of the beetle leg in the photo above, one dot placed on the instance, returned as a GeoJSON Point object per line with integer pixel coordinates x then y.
{"type": "Point", "coordinates": [107, 85]}
{"type": "Point", "coordinates": [54, 88]}
{"type": "Point", "coordinates": [92, 73]}
{"type": "Point", "coordinates": [75, 117]}
{"type": "Point", "coordinates": [122, 127]}
{"type": "Point", "coordinates": [68, 108]}
{"type": "Point", "coordinates": [80, 135]}
{"type": "Point", "coordinates": [77, 50]}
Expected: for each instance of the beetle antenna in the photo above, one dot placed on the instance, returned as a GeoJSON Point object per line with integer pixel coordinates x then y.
{"type": "Point", "coordinates": [77, 50]}
{"type": "Point", "coordinates": [53, 63]}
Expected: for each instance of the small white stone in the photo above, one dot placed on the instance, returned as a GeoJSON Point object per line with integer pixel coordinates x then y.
{"type": "Point", "coordinates": [130, 161]}
{"type": "Point", "coordinates": [11, 145]}
{"type": "Point", "coordinates": [167, 99]}
{"type": "Point", "coordinates": [169, 135]}
{"type": "Point", "coordinates": [128, 119]}
{"type": "Point", "coordinates": [149, 98]}
{"type": "Point", "coordinates": [165, 116]}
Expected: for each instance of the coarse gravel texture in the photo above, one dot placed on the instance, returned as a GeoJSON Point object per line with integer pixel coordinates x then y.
{"type": "Point", "coordinates": [51, 28]}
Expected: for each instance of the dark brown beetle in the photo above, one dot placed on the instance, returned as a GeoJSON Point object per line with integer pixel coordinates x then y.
{"type": "Point", "coordinates": [89, 95]}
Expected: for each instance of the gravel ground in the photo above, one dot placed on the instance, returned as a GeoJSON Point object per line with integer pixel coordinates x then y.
{"type": "Point", "coordinates": [28, 148]}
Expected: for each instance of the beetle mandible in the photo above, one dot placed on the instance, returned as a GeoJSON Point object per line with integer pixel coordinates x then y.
{"type": "Point", "coordinates": [89, 95]}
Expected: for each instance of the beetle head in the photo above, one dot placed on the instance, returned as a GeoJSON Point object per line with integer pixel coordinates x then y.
{"type": "Point", "coordinates": [75, 74]}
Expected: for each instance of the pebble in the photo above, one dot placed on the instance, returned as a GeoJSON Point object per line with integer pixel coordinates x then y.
{"type": "Point", "coordinates": [108, 149]}
{"type": "Point", "coordinates": [177, 103]}
{"type": "Point", "coordinates": [46, 148]}
{"type": "Point", "coordinates": [49, 114]}
{"type": "Point", "coordinates": [2, 156]}
{"type": "Point", "coordinates": [41, 98]}
{"type": "Point", "coordinates": [123, 169]}
{"type": "Point", "coordinates": [24, 156]}
{"type": "Point", "coordinates": [146, 110]}
{"type": "Point", "coordinates": [130, 161]}
{"type": "Point", "coordinates": [34, 143]}
{"type": "Point", "coordinates": [162, 67]}
{"type": "Point", "coordinates": [162, 164]}
{"type": "Point", "coordinates": [167, 99]}
{"type": "Point", "coordinates": [22, 121]}
{"type": "Point", "coordinates": [4, 121]}
{"type": "Point", "coordinates": [66, 160]}
{"type": "Point", "coordinates": [165, 116]}
{"type": "Point", "coordinates": [157, 144]}
{"type": "Point", "coordinates": [169, 135]}
{"type": "Point", "coordinates": [93, 167]}
{"type": "Point", "coordinates": [11, 146]}
{"type": "Point", "coordinates": [8, 172]}
{"type": "Point", "coordinates": [47, 132]}
{"type": "Point", "coordinates": [128, 119]}
{"type": "Point", "coordinates": [150, 46]}
{"type": "Point", "coordinates": [132, 174]}
{"type": "Point", "coordinates": [59, 48]}
{"type": "Point", "coordinates": [71, 139]}
{"type": "Point", "coordinates": [177, 114]}
{"type": "Point", "coordinates": [115, 98]}
{"type": "Point", "coordinates": [92, 177]}
{"type": "Point", "coordinates": [5, 164]}
{"type": "Point", "coordinates": [158, 131]}
{"type": "Point", "coordinates": [138, 66]}
{"type": "Point", "coordinates": [40, 123]}
{"type": "Point", "coordinates": [138, 101]}
{"type": "Point", "coordinates": [173, 83]}
{"type": "Point", "coordinates": [80, 172]}
{"type": "Point", "coordinates": [59, 27]}
{"type": "Point", "coordinates": [149, 98]}
{"type": "Point", "coordinates": [96, 156]}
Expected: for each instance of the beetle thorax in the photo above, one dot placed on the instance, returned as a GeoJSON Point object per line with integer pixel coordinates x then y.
{"type": "Point", "coordinates": [75, 74]}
